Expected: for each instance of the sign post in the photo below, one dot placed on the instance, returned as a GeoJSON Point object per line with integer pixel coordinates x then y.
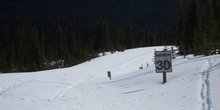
{"type": "Point", "coordinates": [109, 74]}
{"type": "Point", "coordinates": [163, 63]}
{"type": "Point", "coordinates": [164, 77]}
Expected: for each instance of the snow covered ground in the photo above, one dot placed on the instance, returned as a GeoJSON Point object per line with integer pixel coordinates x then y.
{"type": "Point", "coordinates": [193, 85]}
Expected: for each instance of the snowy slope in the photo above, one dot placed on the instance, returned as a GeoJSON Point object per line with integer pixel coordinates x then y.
{"type": "Point", "coordinates": [193, 85]}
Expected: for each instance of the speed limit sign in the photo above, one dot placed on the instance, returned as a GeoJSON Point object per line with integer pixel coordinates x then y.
{"type": "Point", "coordinates": [163, 61]}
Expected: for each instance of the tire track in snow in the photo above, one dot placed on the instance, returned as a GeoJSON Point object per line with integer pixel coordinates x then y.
{"type": "Point", "coordinates": [16, 84]}
{"type": "Point", "coordinates": [28, 80]}
{"type": "Point", "coordinates": [20, 82]}
{"type": "Point", "coordinates": [63, 92]}
{"type": "Point", "coordinates": [206, 89]}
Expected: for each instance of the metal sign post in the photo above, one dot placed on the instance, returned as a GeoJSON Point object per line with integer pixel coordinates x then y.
{"type": "Point", "coordinates": [163, 63]}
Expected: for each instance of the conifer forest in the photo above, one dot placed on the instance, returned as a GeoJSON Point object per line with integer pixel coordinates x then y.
{"type": "Point", "coordinates": [44, 38]}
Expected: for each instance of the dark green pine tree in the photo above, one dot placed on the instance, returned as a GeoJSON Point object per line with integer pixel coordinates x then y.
{"type": "Point", "coordinates": [179, 30]}
{"type": "Point", "coordinates": [80, 37]}
{"type": "Point", "coordinates": [205, 46]}
{"type": "Point", "coordinates": [140, 38]}
{"type": "Point", "coordinates": [109, 45]}
{"type": "Point", "coordinates": [98, 34]}
{"type": "Point", "coordinates": [60, 43]}
{"type": "Point", "coordinates": [43, 59]}
{"type": "Point", "coordinates": [72, 45]}
{"type": "Point", "coordinates": [7, 46]}
{"type": "Point", "coordinates": [147, 37]}
{"type": "Point", "coordinates": [218, 13]}
{"type": "Point", "coordinates": [152, 38]}
{"type": "Point", "coordinates": [209, 27]}
{"type": "Point", "coordinates": [216, 9]}
{"type": "Point", "coordinates": [161, 36]}
{"type": "Point", "coordinates": [196, 47]}
{"type": "Point", "coordinates": [116, 39]}
{"type": "Point", "coordinates": [218, 19]}
{"type": "Point", "coordinates": [191, 23]}
{"type": "Point", "coordinates": [12, 60]}
{"type": "Point", "coordinates": [38, 53]}
{"type": "Point", "coordinates": [4, 63]}
{"type": "Point", "coordinates": [127, 34]}
{"type": "Point", "coordinates": [102, 36]}
{"type": "Point", "coordinates": [34, 66]}
{"type": "Point", "coordinates": [3, 56]}
{"type": "Point", "coordinates": [216, 4]}
{"type": "Point", "coordinates": [21, 48]}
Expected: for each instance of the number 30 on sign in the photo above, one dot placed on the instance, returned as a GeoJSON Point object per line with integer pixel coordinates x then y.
{"type": "Point", "coordinates": [163, 61]}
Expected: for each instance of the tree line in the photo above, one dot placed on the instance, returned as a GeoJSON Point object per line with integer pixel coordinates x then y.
{"type": "Point", "coordinates": [26, 46]}
{"type": "Point", "coordinates": [197, 31]}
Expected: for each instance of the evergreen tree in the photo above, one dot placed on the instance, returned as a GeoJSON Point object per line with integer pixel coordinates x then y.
{"type": "Point", "coordinates": [12, 58]}
{"type": "Point", "coordinates": [4, 62]}
{"type": "Point", "coordinates": [102, 36]}
{"type": "Point", "coordinates": [152, 38]}
{"type": "Point", "coordinates": [34, 66]}
{"type": "Point", "coordinates": [205, 46]}
{"type": "Point", "coordinates": [72, 45]}
{"type": "Point", "coordinates": [218, 14]}
{"type": "Point", "coordinates": [21, 48]}
{"type": "Point", "coordinates": [217, 17]}
{"type": "Point", "coordinates": [43, 59]}
{"type": "Point", "coordinates": [209, 27]}
{"type": "Point", "coordinates": [192, 21]}
{"type": "Point", "coordinates": [60, 43]}
{"type": "Point", "coordinates": [140, 38]}
{"type": "Point", "coordinates": [127, 34]}
{"type": "Point", "coordinates": [196, 47]}
{"type": "Point", "coordinates": [216, 8]}
{"type": "Point", "coordinates": [35, 52]}
{"type": "Point", "coordinates": [116, 39]}
{"type": "Point", "coordinates": [8, 47]}
{"type": "Point", "coordinates": [109, 45]}
{"type": "Point", "coordinates": [161, 36]}
{"type": "Point", "coordinates": [99, 36]}
{"type": "Point", "coordinates": [179, 30]}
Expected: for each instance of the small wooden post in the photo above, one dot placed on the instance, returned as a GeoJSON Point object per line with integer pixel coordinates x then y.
{"type": "Point", "coordinates": [164, 77]}
{"type": "Point", "coordinates": [109, 74]}
{"type": "Point", "coordinates": [141, 67]}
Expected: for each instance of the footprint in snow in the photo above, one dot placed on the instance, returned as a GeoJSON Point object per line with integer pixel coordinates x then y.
{"type": "Point", "coordinates": [183, 96]}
